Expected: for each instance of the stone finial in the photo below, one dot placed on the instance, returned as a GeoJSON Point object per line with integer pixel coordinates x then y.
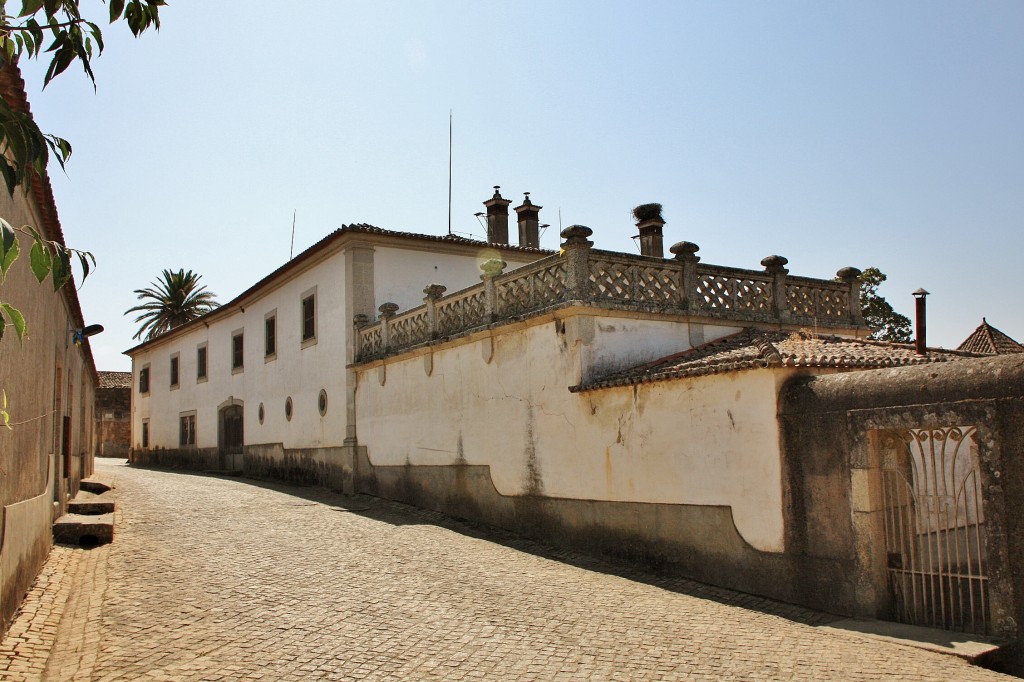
{"type": "Point", "coordinates": [388, 310]}
{"type": "Point", "coordinates": [775, 264]}
{"type": "Point", "coordinates": [360, 320]}
{"type": "Point", "coordinates": [435, 291]}
{"type": "Point", "coordinates": [577, 234]}
{"type": "Point", "coordinates": [848, 273]}
{"type": "Point", "coordinates": [685, 251]}
{"type": "Point", "coordinates": [492, 267]}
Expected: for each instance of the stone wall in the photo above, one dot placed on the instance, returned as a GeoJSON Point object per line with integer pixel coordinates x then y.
{"type": "Point", "coordinates": [832, 424]}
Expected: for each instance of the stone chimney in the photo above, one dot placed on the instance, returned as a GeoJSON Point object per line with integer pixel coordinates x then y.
{"type": "Point", "coordinates": [650, 223]}
{"type": "Point", "coordinates": [529, 223]}
{"type": "Point", "coordinates": [497, 218]}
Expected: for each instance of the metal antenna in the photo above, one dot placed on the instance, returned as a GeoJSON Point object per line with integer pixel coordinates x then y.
{"type": "Point", "coordinates": [291, 251]}
{"type": "Point", "coordinates": [449, 171]}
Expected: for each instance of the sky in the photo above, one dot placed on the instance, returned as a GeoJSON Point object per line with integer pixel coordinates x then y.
{"type": "Point", "coordinates": [844, 133]}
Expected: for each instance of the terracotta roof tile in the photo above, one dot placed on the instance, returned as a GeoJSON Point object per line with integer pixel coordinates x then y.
{"type": "Point", "coordinates": [115, 379]}
{"type": "Point", "coordinates": [988, 340]}
{"type": "Point", "coordinates": [751, 348]}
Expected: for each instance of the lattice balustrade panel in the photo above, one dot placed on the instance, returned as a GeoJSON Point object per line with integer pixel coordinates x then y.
{"type": "Point", "coordinates": [371, 342]}
{"type": "Point", "coordinates": [721, 292]}
{"type": "Point", "coordinates": [631, 282]}
{"type": "Point", "coordinates": [462, 313]}
{"type": "Point", "coordinates": [531, 291]}
{"type": "Point", "coordinates": [408, 331]}
{"type": "Point", "coordinates": [548, 285]}
{"type": "Point", "coordinates": [816, 302]}
{"type": "Point", "coordinates": [658, 285]}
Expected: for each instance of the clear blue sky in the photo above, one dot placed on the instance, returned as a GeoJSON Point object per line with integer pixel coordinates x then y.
{"type": "Point", "coordinates": [867, 133]}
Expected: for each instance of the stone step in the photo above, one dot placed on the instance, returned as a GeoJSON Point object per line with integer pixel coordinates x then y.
{"type": "Point", "coordinates": [90, 507]}
{"type": "Point", "coordinates": [94, 485]}
{"type": "Point", "coordinates": [84, 531]}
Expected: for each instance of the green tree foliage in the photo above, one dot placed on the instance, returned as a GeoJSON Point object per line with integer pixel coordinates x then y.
{"type": "Point", "coordinates": [56, 28]}
{"type": "Point", "coordinates": [886, 323]}
{"type": "Point", "coordinates": [174, 299]}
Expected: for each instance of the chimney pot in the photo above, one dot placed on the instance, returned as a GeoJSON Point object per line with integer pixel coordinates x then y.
{"type": "Point", "coordinates": [920, 322]}
{"type": "Point", "coordinates": [497, 217]}
{"type": "Point", "coordinates": [529, 222]}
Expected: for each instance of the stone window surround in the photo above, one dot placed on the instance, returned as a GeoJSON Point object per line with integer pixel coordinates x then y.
{"type": "Point", "coordinates": [306, 342]}
{"type": "Point", "coordinates": [175, 371]}
{"type": "Point", "coordinates": [240, 367]}
{"type": "Point", "coordinates": [182, 416]}
{"type": "Point", "coordinates": [202, 366]}
{"type": "Point", "coordinates": [268, 355]}
{"type": "Point", "coordinates": [144, 379]}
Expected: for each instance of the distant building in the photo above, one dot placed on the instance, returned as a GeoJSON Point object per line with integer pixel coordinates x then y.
{"type": "Point", "coordinates": [989, 340]}
{"type": "Point", "coordinates": [113, 414]}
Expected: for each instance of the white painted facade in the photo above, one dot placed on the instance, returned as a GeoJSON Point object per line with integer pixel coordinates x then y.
{"type": "Point", "coordinates": [347, 273]}
{"type": "Point", "coordinates": [502, 400]}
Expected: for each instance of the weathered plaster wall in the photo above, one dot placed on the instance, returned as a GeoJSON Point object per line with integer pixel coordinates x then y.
{"type": "Point", "coordinates": [502, 401]}
{"type": "Point", "coordinates": [829, 425]}
{"type": "Point", "coordinates": [46, 378]}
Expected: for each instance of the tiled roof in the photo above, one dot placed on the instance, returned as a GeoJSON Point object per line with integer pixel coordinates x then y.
{"type": "Point", "coordinates": [751, 348]}
{"type": "Point", "coordinates": [115, 379]}
{"type": "Point", "coordinates": [989, 340]}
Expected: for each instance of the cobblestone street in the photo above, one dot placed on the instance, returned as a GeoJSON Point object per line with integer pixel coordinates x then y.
{"type": "Point", "coordinates": [223, 579]}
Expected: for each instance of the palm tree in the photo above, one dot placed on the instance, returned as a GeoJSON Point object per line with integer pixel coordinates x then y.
{"type": "Point", "coordinates": [173, 300]}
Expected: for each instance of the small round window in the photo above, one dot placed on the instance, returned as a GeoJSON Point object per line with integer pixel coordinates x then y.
{"type": "Point", "coordinates": [322, 402]}
{"type": "Point", "coordinates": [288, 408]}
{"type": "Point", "coordinates": [262, 413]}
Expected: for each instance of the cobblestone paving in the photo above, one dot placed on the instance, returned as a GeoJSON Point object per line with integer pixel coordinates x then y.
{"type": "Point", "coordinates": [223, 579]}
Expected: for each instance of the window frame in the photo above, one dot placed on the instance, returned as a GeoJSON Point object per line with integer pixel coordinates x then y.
{"type": "Point", "coordinates": [145, 434]}
{"type": "Point", "coordinates": [239, 335]}
{"type": "Point", "coordinates": [183, 419]}
{"type": "Point", "coordinates": [144, 379]}
{"type": "Point", "coordinates": [311, 339]}
{"type": "Point", "coordinates": [202, 363]}
{"type": "Point", "coordinates": [175, 370]}
{"type": "Point", "coordinates": [270, 353]}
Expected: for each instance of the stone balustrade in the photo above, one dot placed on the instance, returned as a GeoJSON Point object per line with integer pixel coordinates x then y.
{"type": "Point", "coordinates": [582, 274]}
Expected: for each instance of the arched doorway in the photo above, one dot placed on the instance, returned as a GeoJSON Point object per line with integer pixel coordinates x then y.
{"type": "Point", "coordinates": [231, 433]}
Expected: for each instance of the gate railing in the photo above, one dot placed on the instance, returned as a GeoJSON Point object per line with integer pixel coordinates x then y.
{"type": "Point", "coordinates": [610, 279]}
{"type": "Point", "coordinates": [935, 528]}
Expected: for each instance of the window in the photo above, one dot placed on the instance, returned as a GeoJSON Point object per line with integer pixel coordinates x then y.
{"type": "Point", "coordinates": [145, 433]}
{"type": "Point", "coordinates": [144, 379]}
{"type": "Point", "coordinates": [174, 371]}
{"type": "Point", "coordinates": [261, 413]}
{"type": "Point", "coordinates": [236, 351]}
{"type": "Point", "coordinates": [187, 430]}
{"type": "Point", "coordinates": [309, 318]}
{"type": "Point", "coordinates": [201, 363]}
{"type": "Point", "coordinates": [322, 402]}
{"type": "Point", "coordinates": [270, 335]}
{"type": "Point", "coordinates": [288, 408]}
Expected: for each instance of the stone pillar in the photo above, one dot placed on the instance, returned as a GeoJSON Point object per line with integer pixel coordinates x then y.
{"type": "Point", "coordinates": [492, 269]}
{"type": "Point", "coordinates": [433, 292]}
{"type": "Point", "coordinates": [852, 278]}
{"type": "Point", "coordinates": [686, 256]}
{"type": "Point", "coordinates": [387, 311]}
{"type": "Point", "coordinates": [576, 248]}
{"type": "Point", "coordinates": [529, 223]}
{"type": "Point", "coordinates": [359, 300]}
{"type": "Point", "coordinates": [776, 267]}
{"type": "Point", "coordinates": [497, 218]}
{"type": "Point", "coordinates": [359, 321]}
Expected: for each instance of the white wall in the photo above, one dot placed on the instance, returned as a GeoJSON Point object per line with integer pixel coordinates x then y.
{"type": "Point", "coordinates": [707, 441]}
{"type": "Point", "coordinates": [400, 274]}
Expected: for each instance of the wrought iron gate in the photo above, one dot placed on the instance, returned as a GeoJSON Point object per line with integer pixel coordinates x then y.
{"type": "Point", "coordinates": [935, 528]}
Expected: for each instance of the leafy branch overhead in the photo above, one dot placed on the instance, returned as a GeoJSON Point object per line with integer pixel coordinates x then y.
{"type": "Point", "coordinates": [55, 27]}
{"type": "Point", "coordinates": [47, 258]}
